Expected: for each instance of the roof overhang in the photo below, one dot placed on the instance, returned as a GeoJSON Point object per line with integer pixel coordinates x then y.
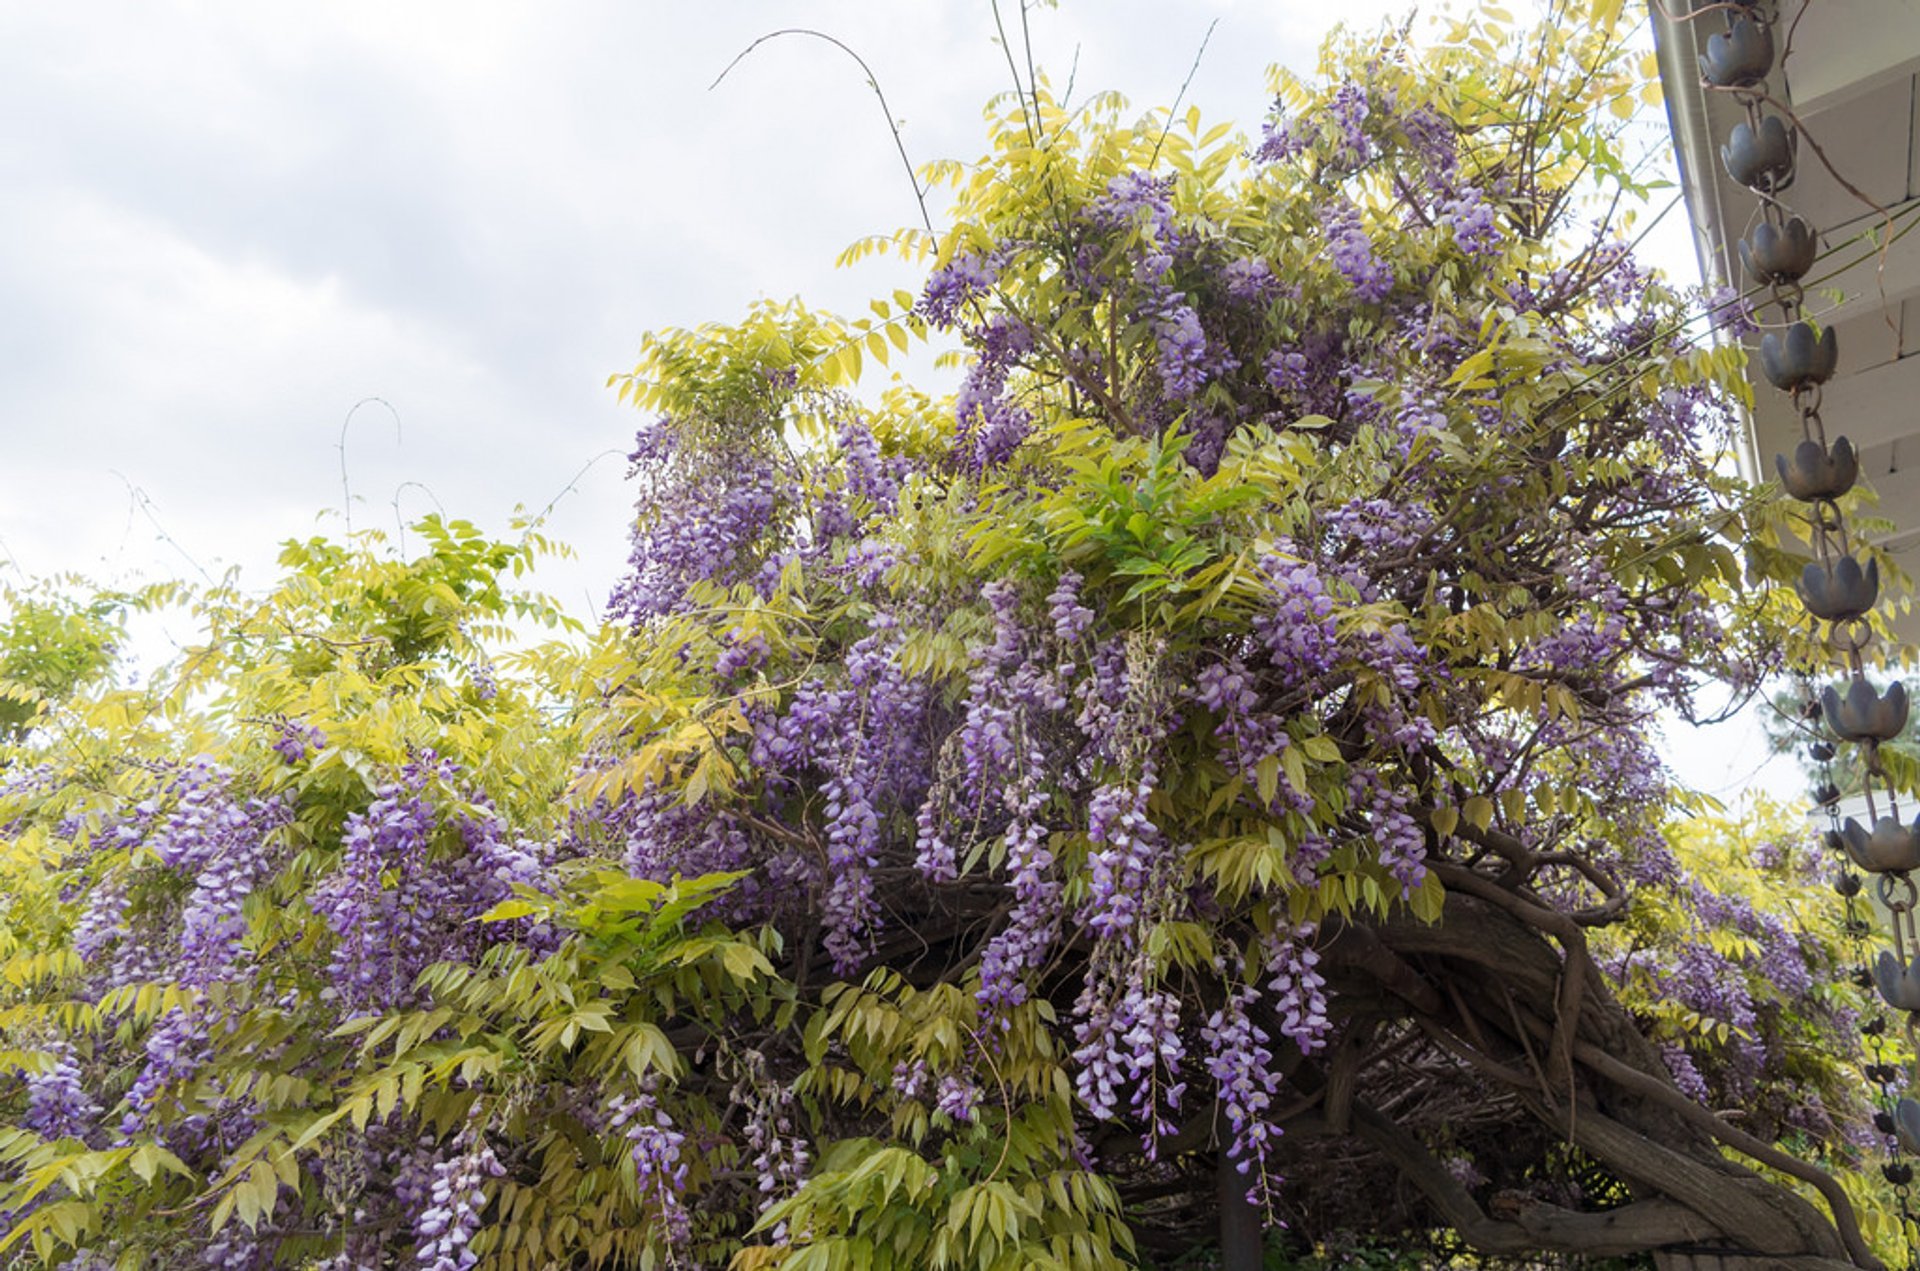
{"type": "Point", "coordinates": [1848, 72]}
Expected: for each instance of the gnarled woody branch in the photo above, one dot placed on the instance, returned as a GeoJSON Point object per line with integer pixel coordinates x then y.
{"type": "Point", "coordinates": [1531, 1226]}
{"type": "Point", "coordinates": [1501, 934]}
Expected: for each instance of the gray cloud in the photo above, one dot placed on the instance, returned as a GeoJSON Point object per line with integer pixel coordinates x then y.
{"type": "Point", "coordinates": [223, 224]}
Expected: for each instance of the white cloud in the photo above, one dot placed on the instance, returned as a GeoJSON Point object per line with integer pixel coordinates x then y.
{"type": "Point", "coordinates": [225, 223]}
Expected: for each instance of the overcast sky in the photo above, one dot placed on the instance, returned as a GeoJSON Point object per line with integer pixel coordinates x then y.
{"type": "Point", "coordinates": [224, 224]}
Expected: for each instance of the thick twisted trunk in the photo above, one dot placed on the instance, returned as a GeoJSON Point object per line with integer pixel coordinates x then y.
{"type": "Point", "coordinates": [1488, 995]}
{"type": "Point", "coordinates": [1242, 1230]}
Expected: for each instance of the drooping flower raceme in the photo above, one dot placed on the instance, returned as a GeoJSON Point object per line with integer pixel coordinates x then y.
{"type": "Point", "coordinates": [59, 1106]}
{"type": "Point", "coordinates": [444, 1230]}
{"type": "Point", "coordinates": [656, 1146]}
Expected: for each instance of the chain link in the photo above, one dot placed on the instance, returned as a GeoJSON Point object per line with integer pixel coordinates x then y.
{"type": "Point", "coordinates": [1799, 366]}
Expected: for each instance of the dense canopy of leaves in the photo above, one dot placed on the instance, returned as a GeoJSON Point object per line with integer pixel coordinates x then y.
{"type": "Point", "coordinates": [1196, 777]}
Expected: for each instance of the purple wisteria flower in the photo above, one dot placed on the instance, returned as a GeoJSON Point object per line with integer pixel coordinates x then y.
{"type": "Point", "coordinates": [1021, 946]}
{"type": "Point", "coordinates": [1471, 218]}
{"type": "Point", "coordinates": [990, 425]}
{"type": "Point", "coordinates": [699, 517]}
{"type": "Point", "coordinates": [295, 740]}
{"type": "Point", "coordinates": [655, 1145]}
{"type": "Point", "coordinates": [962, 281]}
{"type": "Point", "coordinates": [59, 1106]}
{"type": "Point", "coordinates": [1298, 626]}
{"type": "Point", "coordinates": [1137, 199]}
{"type": "Point", "coordinates": [1299, 990]}
{"type": "Point", "coordinates": [1256, 737]}
{"type": "Point", "coordinates": [1071, 619]}
{"type": "Point", "coordinates": [860, 744]}
{"type": "Point", "coordinates": [1240, 1061]}
{"type": "Point", "coordinates": [1347, 112]}
{"type": "Point", "coordinates": [1352, 252]}
{"type": "Point", "coordinates": [1129, 1050]}
{"type": "Point", "coordinates": [1250, 281]}
{"type": "Point", "coordinates": [1435, 140]}
{"type": "Point", "coordinates": [957, 1098]}
{"type": "Point", "coordinates": [456, 1194]}
{"type": "Point", "coordinates": [1127, 847]}
{"type": "Point", "coordinates": [1281, 139]}
{"type": "Point", "coordinates": [772, 1135]}
{"type": "Point", "coordinates": [176, 1048]}
{"type": "Point", "coordinates": [399, 901]}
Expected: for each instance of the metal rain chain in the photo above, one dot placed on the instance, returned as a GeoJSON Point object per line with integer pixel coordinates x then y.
{"type": "Point", "coordinates": [1836, 587]}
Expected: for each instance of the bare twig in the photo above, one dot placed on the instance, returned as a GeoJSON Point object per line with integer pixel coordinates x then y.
{"type": "Point", "coordinates": [1174, 110]}
{"type": "Point", "coordinates": [346, 492]}
{"type": "Point", "coordinates": [873, 82]}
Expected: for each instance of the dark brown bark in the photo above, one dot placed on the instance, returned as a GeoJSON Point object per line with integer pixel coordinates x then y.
{"type": "Point", "coordinates": [1242, 1226]}
{"type": "Point", "coordinates": [1502, 994]}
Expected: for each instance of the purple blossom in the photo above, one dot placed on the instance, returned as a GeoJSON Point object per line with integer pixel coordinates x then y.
{"type": "Point", "coordinates": [1288, 371]}
{"type": "Point", "coordinates": [962, 281]}
{"type": "Point", "coordinates": [957, 1098]}
{"type": "Point", "coordinates": [457, 1195]}
{"type": "Point", "coordinates": [1471, 219]}
{"type": "Point", "coordinates": [910, 1079]}
{"type": "Point", "coordinates": [740, 654]}
{"type": "Point", "coordinates": [850, 910]}
{"type": "Point", "coordinates": [934, 854]}
{"type": "Point", "coordinates": [1185, 362]}
{"type": "Point", "coordinates": [176, 1049]}
{"type": "Point", "coordinates": [861, 744]}
{"type": "Point", "coordinates": [1249, 280]}
{"type": "Point", "coordinates": [1299, 990]}
{"type": "Point", "coordinates": [1729, 311]}
{"type": "Point", "coordinates": [1124, 1046]}
{"type": "Point", "coordinates": [655, 1145]}
{"type": "Point", "coordinates": [397, 902]}
{"type": "Point", "coordinates": [1308, 373]}
{"type": "Point", "coordinates": [1347, 111]}
{"type": "Point", "coordinates": [381, 926]}
{"type": "Point", "coordinates": [1021, 946]}
{"type": "Point", "coordinates": [990, 426]}
{"type": "Point", "coordinates": [868, 474]}
{"type": "Point", "coordinates": [1256, 737]}
{"type": "Point", "coordinates": [1281, 139]}
{"type": "Point", "coordinates": [1401, 841]}
{"type": "Point", "coordinates": [698, 517]}
{"type": "Point", "coordinates": [1433, 138]}
{"type": "Point", "coordinates": [1103, 692]}
{"type": "Point", "coordinates": [1136, 199]}
{"type": "Point", "coordinates": [1685, 1074]}
{"type": "Point", "coordinates": [772, 1134]}
{"type": "Point", "coordinates": [1352, 252]}
{"type": "Point", "coordinates": [1127, 845]}
{"type": "Point", "coordinates": [212, 925]}
{"type": "Point", "coordinates": [1379, 527]}
{"type": "Point", "coordinates": [1241, 1064]}
{"type": "Point", "coordinates": [295, 740]}
{"type": "Point", "coordinates": [1297, 627]}
{"type": "Point", "coordinates": [59, 1105]}
{"type": "Point", "coordinates": [1071, 619]}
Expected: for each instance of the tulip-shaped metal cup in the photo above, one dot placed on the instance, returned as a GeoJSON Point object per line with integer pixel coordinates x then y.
{"type": "Point", "coordinates": [1860, 714]}
{"type": "Point", "coordinates": [1890, 848]}
{"type": "Point", "coordinates": [1842, 592]}
{"type": "Point", "coordinates": [1760, 159]}
{"type": "Point", "coordinates": [1775, 255]}
{"type": "Point", "coordinates": [1740, 58]}
{"type": "Point", "coordinates": [1818, 472]}
{"type": "Point", "coordinates": [1799, 358]}
{"type": "Point", "coordinates": [1906, 1124]}
{"type": "Point", "coordinates": [1899, 985]}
